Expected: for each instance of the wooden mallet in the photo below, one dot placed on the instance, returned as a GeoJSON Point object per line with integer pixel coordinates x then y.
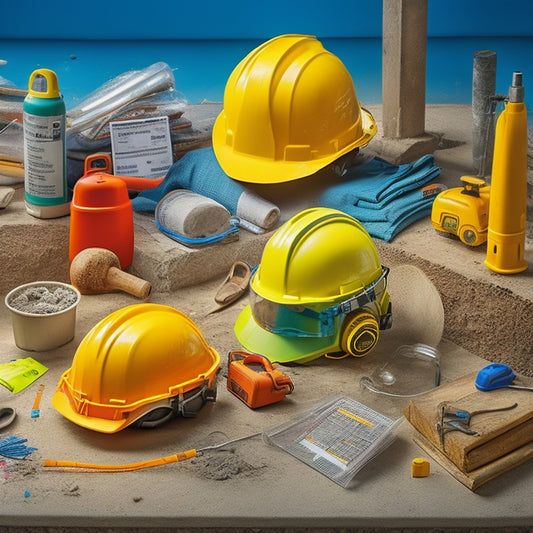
{"type": "Point", "coordinates": [97, 270]}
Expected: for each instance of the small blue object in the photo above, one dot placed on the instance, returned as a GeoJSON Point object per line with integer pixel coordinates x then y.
{"type": "Point", "coordinates": [26, 494]}
{"type": "Point", "coordinates": [494, 376]}
{"type": "Point", "coordinates": [35, 413]}
{"type": "Point", "coordinates": [461, 414]}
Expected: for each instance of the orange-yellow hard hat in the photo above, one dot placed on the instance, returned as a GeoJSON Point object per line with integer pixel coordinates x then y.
{"type": "Point", "coordinates": [290, 109]}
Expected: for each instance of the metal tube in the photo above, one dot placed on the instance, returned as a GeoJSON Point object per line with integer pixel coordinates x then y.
{"type": "Point", "coordinates": [483, 88]}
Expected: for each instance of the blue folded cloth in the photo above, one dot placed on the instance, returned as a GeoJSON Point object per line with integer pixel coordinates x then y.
{"type": "Point", "coordinates": [388, 229]}
{"type": "Point", "coordinates": [384, 197]}
{"type": "Point", "coordinates": [391, 210]}
{"type": "Point", "coordinates": [378, 181]}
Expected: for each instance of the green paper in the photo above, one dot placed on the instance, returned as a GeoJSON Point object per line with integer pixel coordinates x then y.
{"type": "Point", "coordinates": [18, 374]}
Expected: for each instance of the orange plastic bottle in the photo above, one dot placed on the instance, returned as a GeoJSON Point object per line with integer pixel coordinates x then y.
{"type": "Point", "coordinates": [101, 217]}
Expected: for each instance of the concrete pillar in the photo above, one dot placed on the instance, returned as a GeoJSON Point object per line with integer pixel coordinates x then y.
{"type": "Point", "coordinates": [404, 68]}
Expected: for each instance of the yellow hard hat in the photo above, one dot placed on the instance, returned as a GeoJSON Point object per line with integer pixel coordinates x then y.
{"type": "Point", "coordinates": [290, 109]}
{"type": "Point", "coordinates": [141, 365]}
{"type": "Point", "coordinates": [320, 288]}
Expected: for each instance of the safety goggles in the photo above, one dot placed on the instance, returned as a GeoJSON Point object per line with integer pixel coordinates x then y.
{"type": "Point", "coordinates": [312, 320]}
{"type": "Point", "coordinates": [187, 404]}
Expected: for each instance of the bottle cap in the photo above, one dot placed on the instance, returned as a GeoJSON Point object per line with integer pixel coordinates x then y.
{"type": "Point", "coordinates": [43, 84]}
{"type": "Point", "coordinates": [420, 467]}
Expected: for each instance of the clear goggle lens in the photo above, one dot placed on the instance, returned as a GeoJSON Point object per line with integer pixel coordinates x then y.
{"type": "Point", "coordinates": [315, 320]}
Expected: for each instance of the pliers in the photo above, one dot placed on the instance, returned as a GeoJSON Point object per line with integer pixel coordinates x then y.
{"type": "Point", "coordinates": [451, 418]}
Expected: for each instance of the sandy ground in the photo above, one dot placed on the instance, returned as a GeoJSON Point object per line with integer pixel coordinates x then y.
{"type": "Point", "coordinates": [234, 480]}
{"type": "Point", "coordinates": [253, 486]}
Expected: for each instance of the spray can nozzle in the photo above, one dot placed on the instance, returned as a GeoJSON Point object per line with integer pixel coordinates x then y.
{"type": "Point", "coordinates": [43, 84]}
{"type": "Point", "coordinates": [516, 90]}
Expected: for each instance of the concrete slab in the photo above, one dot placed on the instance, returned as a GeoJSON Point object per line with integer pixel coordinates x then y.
{"type": "Point", "coordinates": [400, 151]}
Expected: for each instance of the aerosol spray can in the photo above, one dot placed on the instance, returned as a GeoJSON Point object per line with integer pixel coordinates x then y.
{"type": "Point", "coordinates": [45, 164]}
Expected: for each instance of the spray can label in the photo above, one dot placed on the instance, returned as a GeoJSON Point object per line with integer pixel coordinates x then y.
{"type": "Point", "coordinates": [43, 157]}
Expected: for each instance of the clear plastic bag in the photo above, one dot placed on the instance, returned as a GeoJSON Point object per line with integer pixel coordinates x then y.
{"type": "Point", "coordinates": [337, 438]}
{"type": "Point", "coordinates": [166, 103]}
{"type": "Point", "coordinates": [102, 104]}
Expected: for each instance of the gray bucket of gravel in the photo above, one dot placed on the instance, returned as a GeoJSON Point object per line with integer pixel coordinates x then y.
{"type": "Point", "coordinates": [43, 314]}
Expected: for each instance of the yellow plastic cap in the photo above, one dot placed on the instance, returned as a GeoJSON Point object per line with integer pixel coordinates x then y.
{"type": "Point", "coordinates": [419, 467]}
{"type": "Point", "coordinates": [48, 80]}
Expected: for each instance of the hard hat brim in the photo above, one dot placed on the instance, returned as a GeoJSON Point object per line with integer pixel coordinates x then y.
{"type": "Point", "coordinates": [279, 348]}
{"type": "Point", "coordinates": [62, 405]}
{"type": "Point", "coordinates": [249, 169]}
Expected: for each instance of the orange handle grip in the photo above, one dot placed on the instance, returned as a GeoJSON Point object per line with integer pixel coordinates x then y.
{"type": "Point", "coordinates": [101, 163]}
{"type": "Point", "coordinates": [73, 466]}
{"type": "Point", "coordinates": [249, 357]}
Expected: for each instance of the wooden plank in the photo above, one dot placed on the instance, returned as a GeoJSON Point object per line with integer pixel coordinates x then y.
{"type": "Point", "coordinates": [478, 477]}
{"type": "Point", "coordinates": [498, 433]}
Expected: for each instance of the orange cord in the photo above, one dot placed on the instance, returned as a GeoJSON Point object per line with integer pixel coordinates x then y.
{"type": "Point", "coordinates": [72, 466]}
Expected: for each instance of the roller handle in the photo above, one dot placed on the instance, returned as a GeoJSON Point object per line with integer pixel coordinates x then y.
{"type": "Point", "coordinates": [118, 279]}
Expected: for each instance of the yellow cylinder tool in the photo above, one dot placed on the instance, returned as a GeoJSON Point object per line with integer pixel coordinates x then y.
{"type": "Point", "coordinates": [507, 212]}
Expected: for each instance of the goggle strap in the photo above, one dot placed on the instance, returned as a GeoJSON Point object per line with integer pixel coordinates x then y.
{"type": "Point", "coordinates": [385, 321]}
{"type": "Point", "coordinates": [207, 394]}
{"type": "Point", "coordinates": [361, 299]}
{"type": "Point", "coordinates": [367, 296]}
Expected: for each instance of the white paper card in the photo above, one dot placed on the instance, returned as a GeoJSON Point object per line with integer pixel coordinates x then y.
{"type": "Point", "coordinates": [141, 148]}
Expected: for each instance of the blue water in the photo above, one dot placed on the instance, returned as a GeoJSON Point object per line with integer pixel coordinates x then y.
{"type": "Point", "coordinates": [245, 19]}
{"type": "Point", "coordinates": [203, 66]}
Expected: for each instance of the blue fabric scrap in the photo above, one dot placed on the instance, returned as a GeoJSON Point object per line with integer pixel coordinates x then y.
{"type": "Point", "coordinates": [15, 448]}
{"type": "Point", "coordinates": [197, 171]}
{"type": "Point", "coordinates": [400, 205]}
{"type": "Point", "coordinates": [386, 230]}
